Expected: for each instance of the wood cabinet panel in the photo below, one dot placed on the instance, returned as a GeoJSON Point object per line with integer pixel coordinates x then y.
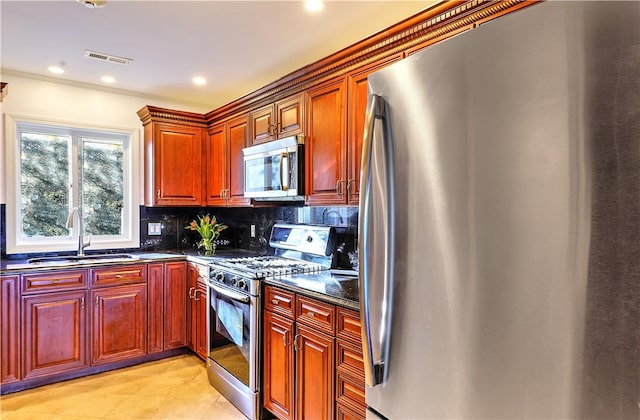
{"type": "Point", "coordinates": [175, 305]}
{"type": "Point", "coordinates": [54, 333]}
{"type": "Point", "coordinates": [357, 97]}
{"type": "Point", "coordinates": [315, 373]}
{"type": "Point", "coordinates": [348, 326]}
{"type": "Point", "coordinates": [118, 275]}
{"type": "Point", "coordinates": [325, 147]}
{"type": "Point", "coordinates": [155, 307]}
{"type": "Point", "coordinates": [54, 281]}
{"type": "Point", "coordinates": [345, 413]}
{"type": "Point", "coordinates": [349, 359]}
{"type": "Point", "coordinates": [216, 161]}
{"type": "Point", "coordinates": [238, 134]}
{"type": "Point", "coordinates": [119, 323]}
{"type": "Point", "coordinates": [278, 120]}
{"type": "Point", "coordinates": [10, 322]}
{"type": "Point", "coordinates": [278, 360]}
{"type": "Point", "coordinates": [350, 392]}
{"type": "Point", "coordinates": [262, 125]}
{"type": "Point", "coordinates": [177, 164]}
{"type": "Point", "coordinates": [280, 301]}
{"type": "Point", "coordinates": [316, 314]}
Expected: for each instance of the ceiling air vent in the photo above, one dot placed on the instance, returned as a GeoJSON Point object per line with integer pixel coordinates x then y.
{"type": "Point", "coordinates": [107, 57]}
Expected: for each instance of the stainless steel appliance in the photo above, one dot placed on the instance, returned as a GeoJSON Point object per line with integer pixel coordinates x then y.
{"type": "Point", "coordinates": [274, 170]}
{"type": "Point", "coordinates": [500, 221]}
{"type": "Point", "coordinates": [234, 302]}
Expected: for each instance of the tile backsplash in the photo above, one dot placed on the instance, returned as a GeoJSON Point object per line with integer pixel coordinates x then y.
{"type": "Point", "coordinates": [174, 237]}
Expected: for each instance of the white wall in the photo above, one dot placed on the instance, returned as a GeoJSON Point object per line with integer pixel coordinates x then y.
{"type": "Point", "coordinates": [46, 99]}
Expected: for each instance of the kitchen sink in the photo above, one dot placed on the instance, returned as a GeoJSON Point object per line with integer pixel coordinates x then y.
{"type": "Point", "coordinates": [83, 259]}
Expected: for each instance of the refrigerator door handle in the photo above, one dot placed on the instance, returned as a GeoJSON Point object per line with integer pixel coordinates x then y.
{"type": "Point", "coordinates": [372, 276]}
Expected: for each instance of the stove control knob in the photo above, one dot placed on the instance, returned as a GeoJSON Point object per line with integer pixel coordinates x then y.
{"type": "Point", "coordinates": [219, 275]}
{"type": "Point", "coordinates": [241, 284]}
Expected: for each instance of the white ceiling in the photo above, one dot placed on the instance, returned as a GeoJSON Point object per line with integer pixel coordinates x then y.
{"type": "Point", "coordinates": [238, 46]}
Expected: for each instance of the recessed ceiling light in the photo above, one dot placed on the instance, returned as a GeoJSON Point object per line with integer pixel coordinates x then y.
{"type": "Point", "coordinates": [93, 4]}
{"type": "Point", "coordinates": [199, 80]}
{"type": "Point", "coordinates": [108, 79]}
{"type": "Point", "coordinates": [314, 5]}
{"type": "Point", "coordinates": [56, 69]}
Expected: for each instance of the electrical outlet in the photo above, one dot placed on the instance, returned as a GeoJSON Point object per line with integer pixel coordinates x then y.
{"type": "Point", "coordinates": [253, 231]}
{"type": "Point", "coordinates": [154, 229]}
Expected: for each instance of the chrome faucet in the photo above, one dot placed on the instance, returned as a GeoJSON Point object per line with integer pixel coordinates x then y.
{"type": "Point", "coordinates": [71, 223]}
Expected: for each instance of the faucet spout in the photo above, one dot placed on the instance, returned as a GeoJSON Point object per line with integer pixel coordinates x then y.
{"type": "Point", "coordinates": [71, 222]}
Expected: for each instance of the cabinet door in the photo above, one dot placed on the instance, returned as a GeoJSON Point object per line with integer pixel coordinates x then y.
{"type": "Point", "coordinates": [9, 319]}
{"type": "Point", "coordinates": [54, 333]}
{"type": "Point", "coordinates": [178, 175]}
{"type": "Point", "coordinates": [175, 305]}
{"type": "Point", "coordinates": [315, 373]}
{"type": "Point", "coordinates": [237, 139]}
{"type": "Point", "coordinates": [290, 116]}
{"type": "Point", "coordinates": [325, 147]}
{"type": "Point", "coordinates": [155, 309]}
{"type": "Point", "coordinates": [278, 372]}
{"type": "Point", "coordinates": [200, 298]}
{"type": "Point", "coordinates": [262, 125]}
{"type": "Point", "coordinates": [216, 161]}
{"type": "Point", "coordinates": [192, 276]}
{"type": "Point", "coordinates": [119, 323]}
{"type": "Point", "coordinates": [357, 94]}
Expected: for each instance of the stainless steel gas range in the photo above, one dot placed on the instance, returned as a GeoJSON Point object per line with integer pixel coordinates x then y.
{"type": "Point", "coordinates": [234, 301]}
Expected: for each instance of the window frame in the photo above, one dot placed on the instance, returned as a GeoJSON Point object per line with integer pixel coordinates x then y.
{"type": "Point", "coordinates": [130, 237]}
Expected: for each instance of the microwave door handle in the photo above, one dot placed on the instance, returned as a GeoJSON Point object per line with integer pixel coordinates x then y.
{"type": "Point", "coordinates": [284, 157]}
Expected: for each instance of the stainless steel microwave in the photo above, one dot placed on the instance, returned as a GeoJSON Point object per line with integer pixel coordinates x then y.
{"type": "Point", "coordinates": [275, 170]}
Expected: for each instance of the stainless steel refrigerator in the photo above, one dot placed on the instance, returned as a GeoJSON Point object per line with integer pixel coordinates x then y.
{"type": "Point", "coordinates": [500, 221]}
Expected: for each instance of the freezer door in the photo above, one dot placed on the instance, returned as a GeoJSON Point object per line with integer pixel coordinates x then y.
{"type": "Point", "coordinates": [517, 250]}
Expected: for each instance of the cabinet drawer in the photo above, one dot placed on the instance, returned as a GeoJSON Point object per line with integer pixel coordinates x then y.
{"type": "Point", "coordinates": [316, 314]}
{"type": "Point", "coordinates": [348, 326]}
{"type": "Point", "coordinates": [279, 301]}
{"type": "Point", "coordinates": [125, 274]}
{"type": "Point", "coordinates": [349, 359]}
{"type": "Point", "coordinates": [350, 392]}
{"type": "Point", "coordinates": [346, 413]}
{"type": "Point", "coordinates": [57, 280]}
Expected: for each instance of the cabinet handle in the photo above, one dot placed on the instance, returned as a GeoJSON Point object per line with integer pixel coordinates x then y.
{"type": "Point", "coordinates": [351, 182]}
{"type": "Point", "coordinates": [296, 347]}
{"type": "Point", "coordinates": [82, 302]}
{"type": "Point", "coordinates": [221, 193]}
{"type": "Point", "coordinates": [97, 299]}
{"type": "Point", "coordinates": [278, 127]}
{"type": "Point", "coordinates": [271, 129]}
{"type": "Point", "coordinates": [284, 339]}
{"type": "Point", "coordinates": [192, 292]}
{"type": "Point", "coordinates": [275, 301]}
{"type": "Point", "coordinates": [119, 276]}
{"type": "Point", "coordinates": [311, 314]}
{"type": "Point", "coordinates": [338, 187]}
{"type": "Point", "coordinates": [158, 193]}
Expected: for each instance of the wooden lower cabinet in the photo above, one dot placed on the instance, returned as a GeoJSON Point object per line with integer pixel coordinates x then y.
{"type": "Point", "coordinates": [155, 308]}
{"type": "Point", "coordinates": [278, 365]}
{"type": "Point", "coordinates": [119, 323]}
{"type": "Point", "coordinates": [54, 333]}
{"type": "Point", "coordinates": [312, 358]}
{"type": "Point", "coordinates": [9, 319]}
{"type": "Point", "coordinates": [175, 305]}
{"type": "Point", "coordinates": [197, 311]}
{"type": "Point", "coordinates": [315, 370]}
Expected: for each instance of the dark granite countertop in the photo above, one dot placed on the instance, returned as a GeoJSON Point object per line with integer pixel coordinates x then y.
{"type": "Point", "coordinates": [334, 288]}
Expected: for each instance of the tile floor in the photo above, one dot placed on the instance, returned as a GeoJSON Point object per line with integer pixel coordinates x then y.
{"type": "Point", "coordinates": [174, 388]}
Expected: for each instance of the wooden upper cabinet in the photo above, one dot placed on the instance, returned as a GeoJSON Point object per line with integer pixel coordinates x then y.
{"type": "Point", "coordinates": [280, 119]}
{"type": "Point", "coordinates": [174, 150]}
{"type": "Point", "coordinates": [216, 163]}
{"type": "Point", "coordinates": [325, 147]}
{"type": "Point", "coordinates": [238, 129]}
{"type": "Point", "coordinates": [358, 94]}
{"type": "Point", "coordinates": [225, 163]}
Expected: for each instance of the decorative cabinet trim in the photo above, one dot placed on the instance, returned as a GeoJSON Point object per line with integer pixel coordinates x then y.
{"type": "Point", "coordinates": [150, 113]}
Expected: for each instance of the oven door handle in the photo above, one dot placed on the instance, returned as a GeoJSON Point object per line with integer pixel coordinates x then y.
{"type": "Point", "coordinates": [229, 293]}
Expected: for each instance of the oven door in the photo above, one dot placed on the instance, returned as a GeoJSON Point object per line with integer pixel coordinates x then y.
{"type": "Point", "coordinates": [233, 333]}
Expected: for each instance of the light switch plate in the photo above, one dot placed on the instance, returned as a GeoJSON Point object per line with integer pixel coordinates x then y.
{"type": "Point", "coordinates": [154, 229]}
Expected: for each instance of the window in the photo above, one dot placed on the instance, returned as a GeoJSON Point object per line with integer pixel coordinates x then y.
{"type": "Point", "coordinates": [59, 168]}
